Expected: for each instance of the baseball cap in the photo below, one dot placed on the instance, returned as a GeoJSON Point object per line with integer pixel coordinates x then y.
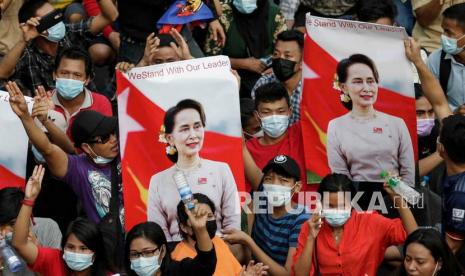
{"type": "Point", "coordinates": [89, 124]}
{"type": "Point", "coordinates": [285, 164]}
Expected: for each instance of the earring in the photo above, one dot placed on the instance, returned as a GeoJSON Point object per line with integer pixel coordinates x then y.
{"type": "Point", "coordinates": [171, 150]}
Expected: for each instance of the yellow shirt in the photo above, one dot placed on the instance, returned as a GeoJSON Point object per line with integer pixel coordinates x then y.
{"type": "Point", "coordinates": [226, 263]}
{"type": "Point", "coordinates": [430, 37]}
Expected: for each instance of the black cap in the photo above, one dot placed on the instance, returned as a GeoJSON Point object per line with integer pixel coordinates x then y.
{"type": "Point", "coordinates": [89, 124]}
{"type": "Point", "coordinates": [283, 163]}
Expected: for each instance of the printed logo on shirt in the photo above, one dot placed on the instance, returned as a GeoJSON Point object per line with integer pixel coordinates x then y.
{"type": "Point", "coordinates": [101, 191]}
{"type": "Point", "coordinates": [378, 130]}
{"type": "Point", "coordinates": [458, 214]}
{"type": "Point", "coordinates": [202, 180]}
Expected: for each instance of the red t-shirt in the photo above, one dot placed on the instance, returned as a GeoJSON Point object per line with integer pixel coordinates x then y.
{"type": "Point", "coordinates": [49, 262]}
{"type": "Point", "coordinates": [291, 145]}
{"type": "Point", "coordinates": [362, 246]}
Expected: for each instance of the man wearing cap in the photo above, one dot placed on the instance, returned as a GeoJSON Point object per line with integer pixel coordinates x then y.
{"type": "Point", "coordinates": [89, 173]}
{"type": "Point", "coordinates": [276, 226]}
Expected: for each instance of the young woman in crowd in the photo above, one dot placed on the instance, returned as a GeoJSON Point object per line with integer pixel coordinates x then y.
{"type": "Point", "coordinates": [426, 253]}
{"type": "Point", "coordinates": [226, 264]}
{"type": "Point", "coordinates": [82, 252]}
{"type": "Point", "coordinates": [184, 131]}
{"type": "Point", "coordinates": [364, 142]}
{"type": "Point", "coordinates": [147, 253]}
{"type": "Point", "coordinates": [346, 240]}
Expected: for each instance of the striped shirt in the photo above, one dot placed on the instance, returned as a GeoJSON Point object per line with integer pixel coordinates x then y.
{"type": "Point", "coordinates": [276, 235]}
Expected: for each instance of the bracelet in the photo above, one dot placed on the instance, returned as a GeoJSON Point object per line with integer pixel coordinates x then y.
{"type": "Point", "coordinates": [28, 202]}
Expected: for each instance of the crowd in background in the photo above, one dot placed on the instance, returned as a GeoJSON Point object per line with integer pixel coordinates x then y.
{"type": "Point", "coordinates": [69, 218]}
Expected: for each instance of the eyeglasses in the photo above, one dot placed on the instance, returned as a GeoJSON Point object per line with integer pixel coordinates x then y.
{"type": "Point", "coordinates": [102, 139]}
{"type": "Point", "coordinates": [146, 253]}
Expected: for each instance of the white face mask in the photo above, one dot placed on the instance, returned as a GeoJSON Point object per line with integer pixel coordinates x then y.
{"type": "Point", "coordinates": [277, 195]}
{"type": "Point", "coordinates": [336, 217]}
{"type": "Point", "coordinates": [275, 125]}
{"type": "Point", "coordinates": [145, 266]}
{"type": "Point", "coordinates": [100, 160]}
{"type": "Point", "coordinates": [78, 261]}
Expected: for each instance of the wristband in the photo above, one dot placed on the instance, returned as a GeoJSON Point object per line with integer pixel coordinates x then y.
{"type": "Point", "coordinates": [28, 202]}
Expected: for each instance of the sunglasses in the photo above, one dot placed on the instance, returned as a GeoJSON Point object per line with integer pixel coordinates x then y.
{"type": "Point", "coordinates": [102, 139]}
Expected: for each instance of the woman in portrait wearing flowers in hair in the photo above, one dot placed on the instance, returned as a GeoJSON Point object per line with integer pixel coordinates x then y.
{"type": "Point", "coordinates": [183, 132]}
{"type": "Point", "coordinates": [364, 142]}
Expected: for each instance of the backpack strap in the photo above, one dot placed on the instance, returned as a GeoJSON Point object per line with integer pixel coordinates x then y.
{"type": "Point", "coordinates": [445, 68]}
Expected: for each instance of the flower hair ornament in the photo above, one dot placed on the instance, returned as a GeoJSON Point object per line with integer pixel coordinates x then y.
{"type": "Point", "coordinates": [170, 150]}
{"type": "Point", "coordinates": [337, 86]}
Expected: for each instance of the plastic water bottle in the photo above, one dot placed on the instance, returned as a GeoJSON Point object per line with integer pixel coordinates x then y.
{"type": "Point", "coordinates": [401, 188]}
{"type": "Point", "coordinates": [9, 257]}
{"type": "Point", "coordinates": [184, 189]}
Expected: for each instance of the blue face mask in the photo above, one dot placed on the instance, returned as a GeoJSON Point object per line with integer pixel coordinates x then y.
{"type": "Point", "coordinates": [78, 261]}
{"type": "Point", "coordinates": [145, 266]}
{"type": "Point", "coordinates": [275, 125]}
{"type": "Point", "coordinates": [449, 45]}
{"type": "Point", "coordinates": [336, 217]}
{"type": "Point", "coordinates": [56, 32]}
{"type": "Point", "coordinates": [245, 6]}
{"type": "Point", "coordinates": [37, 155]}
{"type": "Point", "coordinates": [69, 88]}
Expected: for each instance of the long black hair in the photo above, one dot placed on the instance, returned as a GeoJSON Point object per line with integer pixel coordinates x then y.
{"type": "Point", "coordinates": [89, 234]}
{"type": "Point", "coordinates": [152, 232]}
{"type": "Point", "coordinates": [432, 240]}
{"type": "Point", "coordinates": [170, 116]}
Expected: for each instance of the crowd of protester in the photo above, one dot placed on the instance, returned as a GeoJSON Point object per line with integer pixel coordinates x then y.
{"type": "Point", "coordinates": [69, 218]}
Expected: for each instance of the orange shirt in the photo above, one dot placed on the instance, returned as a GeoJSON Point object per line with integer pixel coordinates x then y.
{"type": "Point", "coordinates": [361, 249]}
{"type": "Point", "coordinates": [226, 263]}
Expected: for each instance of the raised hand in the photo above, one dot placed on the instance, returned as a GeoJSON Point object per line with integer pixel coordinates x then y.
{"type": "Point", "coordinates": [42, 104]}
{"type": "Point", "coordinates": [217, 33]}
{"type": "Point", "coordinates": [151, 47]}
{"type": "Point", "coordinates": [34, 183]}
{"type": "Point", "coordinates": [198, 217]}
{"type": "Point", "coordinates": [254, 269]}
{"type": "Point", "coordinates": [30, 29]}
{"type": "Point", "coordinates": [17, 101]}
{"type": "Point", "coordinates": [412, 50]}
{"type": "Point", "coordinates": [124, 66]}
{"type": "Point", "coordinates": [183, 50]}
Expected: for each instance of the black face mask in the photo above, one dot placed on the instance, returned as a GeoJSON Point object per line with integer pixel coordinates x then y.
{"type": "Point", "coordinates": [211, 229]}
{"type": "Point", "coordinates": [283, 69]}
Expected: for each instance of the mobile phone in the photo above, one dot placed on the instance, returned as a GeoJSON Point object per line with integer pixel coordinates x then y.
{"type": "Point", "coordinates": [49, 20]}
{"type": "Point", "coordinates": [267, 61]}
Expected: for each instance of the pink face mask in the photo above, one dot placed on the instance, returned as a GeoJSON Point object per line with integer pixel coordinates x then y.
{"type": "Point", "coordinates": [424, 127]}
